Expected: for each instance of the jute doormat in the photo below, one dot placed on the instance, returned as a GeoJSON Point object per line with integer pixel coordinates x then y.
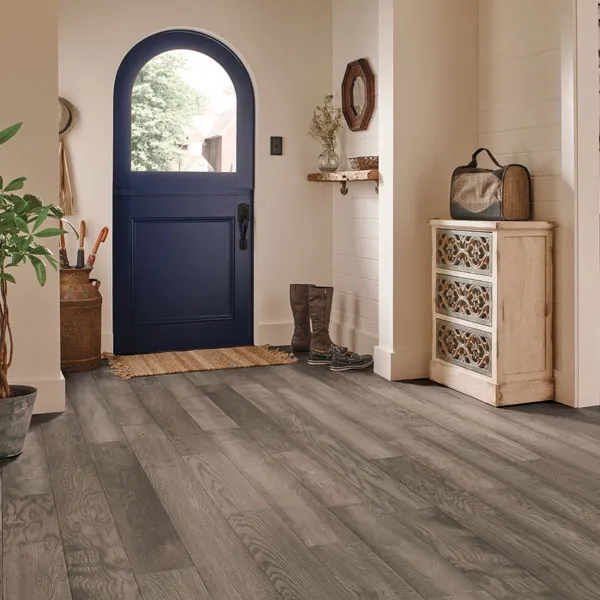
{"type": "Point", "coordinates": [144, 365]}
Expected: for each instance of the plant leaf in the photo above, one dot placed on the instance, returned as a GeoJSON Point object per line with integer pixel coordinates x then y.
{"type": "Point", "coordinates": [9, 132]}
{"type": "Point", "coordinates": [50, 232]}
{"type": "Point", "coordinates": [34, 201]}
{"type": "Point", "coordinates": [40, 269]}
{"type": "Point", "coordinates": [56, 212]}
{"type": "Point", "coordinates": [23, 243]}
{"type": "Point", "coordinates": [41, 217]}
{"type": "Point", "coordinates": [52, 262]}
{"type": "Point", "coordinates": [7, 277]}
{"type": "Point", "coordinates": [21, 224]}
{"type": "Point", "coordinates": [20, 205]}
{"type": "Point", "coordinates": [40, 251]}
{"type": "Point", "coordinates": [16, 259]}
{"type": "Point", "coordinates": [16, 184]}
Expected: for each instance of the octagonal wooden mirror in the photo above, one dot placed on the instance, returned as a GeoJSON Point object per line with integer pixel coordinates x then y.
{"type": "Point", "coordinates": [358, 95]}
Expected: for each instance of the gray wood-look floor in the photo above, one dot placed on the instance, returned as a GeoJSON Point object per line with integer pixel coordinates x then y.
{"type": "Point", "coordinates": [294, 483]}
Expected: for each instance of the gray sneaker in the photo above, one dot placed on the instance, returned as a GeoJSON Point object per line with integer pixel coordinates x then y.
{"type": "Point", "coordinates": [318, 357]}
{"type": "Point", "coordinates": [350, 361]}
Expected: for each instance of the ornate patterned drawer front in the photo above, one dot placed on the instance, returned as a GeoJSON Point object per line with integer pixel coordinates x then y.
{"type": "Point", "coordinates": [464, 298]}
{"type": "Point", "coordinates": [469, 251]}
{"type": "Point", "coordinates": [468, 348]}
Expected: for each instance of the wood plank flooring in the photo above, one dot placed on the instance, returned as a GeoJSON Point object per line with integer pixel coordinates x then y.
{"type": "Point", "coordinates": [295, 483]}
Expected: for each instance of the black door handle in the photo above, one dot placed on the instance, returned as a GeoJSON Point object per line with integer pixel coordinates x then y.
{"type": "Point", "coordinates": [243, 216]}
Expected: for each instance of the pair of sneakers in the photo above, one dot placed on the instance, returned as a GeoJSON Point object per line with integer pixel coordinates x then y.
{"type": "Point", "coordinates": [339, 358]}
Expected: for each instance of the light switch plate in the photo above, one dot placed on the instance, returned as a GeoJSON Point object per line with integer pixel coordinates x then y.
{"type": "Point", "coordinates": [276, 146]}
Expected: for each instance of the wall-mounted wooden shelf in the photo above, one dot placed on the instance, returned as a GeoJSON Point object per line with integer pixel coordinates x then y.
{"type": "Point", "coordinates": [343, 177]}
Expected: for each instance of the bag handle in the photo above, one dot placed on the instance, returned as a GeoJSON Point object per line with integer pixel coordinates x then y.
{"type": "Point", "coordinates": [473, 162]}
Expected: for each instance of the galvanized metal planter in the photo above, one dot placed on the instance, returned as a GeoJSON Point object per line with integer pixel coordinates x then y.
{"type": "Point", "coordinates": [15, 417]}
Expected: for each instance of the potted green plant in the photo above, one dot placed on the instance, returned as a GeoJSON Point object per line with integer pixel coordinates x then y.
{"type": "Point", "coordinates": [22, 217]}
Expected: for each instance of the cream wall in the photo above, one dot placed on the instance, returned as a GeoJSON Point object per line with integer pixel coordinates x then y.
{"type": "Point", "coordinates": [452, 74]}
{"type": "Point", "coordinates": [287, 50]}
{"type": "Point", "coordinates": [29, 81]}
{"type": "Point", "coordinates": [521, 120]}
{"type": "Point", "coordinates": [427, 125]}
{"type": "Point", "coordinates": [355, 314]}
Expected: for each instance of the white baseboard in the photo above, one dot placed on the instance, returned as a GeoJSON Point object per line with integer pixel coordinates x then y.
{"type": "Point", "coordinates": [400, 366]}
{"type": "Point", "coordinates": [565, 393]}
{"type": "Point", "coordinates": [107, 341]}
{"type": "Point", "coordinates": [383, 362]}
{"type": "Point", "coordinates": [275, 334]}
{"type": "Point", "coordinates": [280, 334]}
{"type": "Point", "coordinates": [51, 394]}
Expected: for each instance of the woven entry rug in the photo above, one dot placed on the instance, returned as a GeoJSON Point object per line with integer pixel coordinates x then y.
{"type": "Point", "coordinates": [145, 365]}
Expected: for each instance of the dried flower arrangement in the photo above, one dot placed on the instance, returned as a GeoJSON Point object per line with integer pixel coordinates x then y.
{"type": "Point", "coordinates": [326, 122]}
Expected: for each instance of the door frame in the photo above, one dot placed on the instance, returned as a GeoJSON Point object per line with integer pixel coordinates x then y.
{"type": "Point", "coordinates": [580, 385]}
{"type": "Point", "coordinates": [125, 181]}
{"type": "Point", "coordinates": [580, 53]}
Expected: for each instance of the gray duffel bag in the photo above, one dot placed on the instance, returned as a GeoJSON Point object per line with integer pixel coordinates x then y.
{"type": "Point", "coordinates": [502, 194]}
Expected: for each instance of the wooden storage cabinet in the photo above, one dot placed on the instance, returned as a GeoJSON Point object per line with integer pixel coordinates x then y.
{"type": "Point", "coordinates": [492, 309]}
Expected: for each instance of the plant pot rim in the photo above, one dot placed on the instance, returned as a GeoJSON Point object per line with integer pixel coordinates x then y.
{"type": "Point", "coordinates": [19, 391]}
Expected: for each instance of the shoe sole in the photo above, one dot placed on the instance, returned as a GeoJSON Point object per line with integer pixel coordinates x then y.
{"type": "Point", "coordinates": [352, 367]}
{"type": "Point", "coordinates": [317, 363]}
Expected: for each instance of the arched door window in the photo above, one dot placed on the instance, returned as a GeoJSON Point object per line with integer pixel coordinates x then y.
{"type": "Point", "coordinates": [183, 115]}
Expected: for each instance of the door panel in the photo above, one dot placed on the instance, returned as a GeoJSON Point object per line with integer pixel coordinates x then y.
{"type": "Point", "coordinates": [204, 248]}
{"type": "Point", "coordinates": [182, 280]}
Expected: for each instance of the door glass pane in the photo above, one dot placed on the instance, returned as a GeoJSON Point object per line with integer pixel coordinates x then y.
{"type": "Point", "coordinates": [183, 115]}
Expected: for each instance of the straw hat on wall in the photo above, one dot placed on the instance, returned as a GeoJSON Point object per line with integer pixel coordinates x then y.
{"type": "Point", "coordinates": [66, 120]}
{"type": "Point", "coordinates": [66, 116]}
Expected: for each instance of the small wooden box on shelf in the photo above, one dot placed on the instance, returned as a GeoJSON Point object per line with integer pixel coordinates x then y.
{"type": "Point", "coordinates": [492, 309]}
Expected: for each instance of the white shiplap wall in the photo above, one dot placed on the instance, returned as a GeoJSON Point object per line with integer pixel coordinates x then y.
{"type": "Point", "coordinates": [520, 121]}
{"type": "Point", "coordinates": [355, 217]}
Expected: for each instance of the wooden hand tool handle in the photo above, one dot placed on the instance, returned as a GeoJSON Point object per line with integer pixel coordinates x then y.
{"type": "Point", "coordinates": [63, 245]}
{"type": "Point", "coordinates": [101, 238]}
{"type": "Point", "coordinates": [81, 233]}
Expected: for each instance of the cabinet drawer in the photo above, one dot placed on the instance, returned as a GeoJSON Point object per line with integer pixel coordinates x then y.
{"type": "Point", "coordinates": [462, 298]}
{"type": "Point", "coordinates": [467, 251]}
{"type": "Point", "coordinates": [463, 346]}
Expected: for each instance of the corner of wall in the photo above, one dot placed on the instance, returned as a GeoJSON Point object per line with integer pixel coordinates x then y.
{"type": "Point", "coordinates": [50, 396]}
{"type": "Point", "coordinates": [32, 71]}
{"type": "Point", "coordinates": [430, 49]}
{"type": "Point", "coordinates": [356, 216]}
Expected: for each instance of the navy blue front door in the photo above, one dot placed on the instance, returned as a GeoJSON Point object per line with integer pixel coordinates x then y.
{"type": "Point", "coordinates": [183, 247]}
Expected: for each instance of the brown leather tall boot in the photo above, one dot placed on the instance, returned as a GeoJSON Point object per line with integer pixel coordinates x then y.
{"type": "Point", "coordinates": [299, 301]}
{"type": "Point", "coordinates": [320, 301]}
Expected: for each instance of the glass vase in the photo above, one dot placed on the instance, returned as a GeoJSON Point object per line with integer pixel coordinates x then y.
{"type": "Point", "coordinates": [329, 161]}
